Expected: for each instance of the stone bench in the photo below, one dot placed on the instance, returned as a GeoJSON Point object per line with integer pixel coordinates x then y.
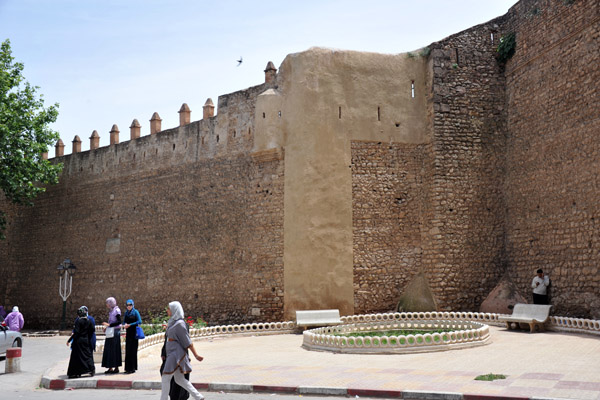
{"type": "Point", "coordinates": [308, 318]}
{"type": "Point", "coordinates": [527, 314]}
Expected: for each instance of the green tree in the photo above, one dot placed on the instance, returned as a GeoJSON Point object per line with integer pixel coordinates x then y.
{"type": "Point", "coordinates": [24, 136]}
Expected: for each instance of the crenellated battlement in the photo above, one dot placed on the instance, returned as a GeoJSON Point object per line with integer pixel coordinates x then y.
{"type": "Point", "coordinates": [229, 132]}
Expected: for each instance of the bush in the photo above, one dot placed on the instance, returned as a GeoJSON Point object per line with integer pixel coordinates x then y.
{"type": "Point", "coordinates": [506, 48]}
{"type": "Point", "coordinates": [199, 323]}
{"type": "Point", "coordinates": [158, 323]}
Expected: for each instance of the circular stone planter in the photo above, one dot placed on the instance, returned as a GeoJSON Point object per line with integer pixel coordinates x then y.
{"type": "Point", "coordinates": [462, 334]}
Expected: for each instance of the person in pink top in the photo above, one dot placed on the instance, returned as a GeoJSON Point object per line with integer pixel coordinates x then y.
{"type": "Point", "coordinates": [14, 320]}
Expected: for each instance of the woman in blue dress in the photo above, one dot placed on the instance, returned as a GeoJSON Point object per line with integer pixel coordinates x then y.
{"type": "Point", "coordinates": [132, 319]}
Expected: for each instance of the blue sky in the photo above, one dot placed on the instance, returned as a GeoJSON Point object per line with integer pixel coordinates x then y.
{"type": "Point", "coordinates": [107, 62]}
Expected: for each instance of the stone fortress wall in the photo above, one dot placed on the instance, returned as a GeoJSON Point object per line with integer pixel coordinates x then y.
{"type": "Point", "coordinates": [553, 152]}
{"type": "Point", "coordinates": [338, 181]}
{"type": "Point", "coordinates": [183, 214]}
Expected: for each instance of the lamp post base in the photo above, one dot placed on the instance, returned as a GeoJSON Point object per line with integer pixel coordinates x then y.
{"type": "Point", "coordinates": [63, 323]}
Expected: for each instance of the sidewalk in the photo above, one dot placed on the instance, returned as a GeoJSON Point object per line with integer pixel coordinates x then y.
{"type": "Point", "coordinates": [539, 365]}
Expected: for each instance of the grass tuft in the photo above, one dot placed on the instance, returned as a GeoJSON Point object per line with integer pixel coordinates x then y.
{"type": "Point", "coordinates": [490, 377]}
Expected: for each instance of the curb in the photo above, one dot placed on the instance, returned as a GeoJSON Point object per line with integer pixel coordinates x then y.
{"type": "Point", "coordinates": [61, 384]}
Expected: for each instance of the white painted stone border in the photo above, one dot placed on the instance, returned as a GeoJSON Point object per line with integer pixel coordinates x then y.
{"type": "Point", "coordinates": [575, 325]}
{"type": "Point", "coordinates": [463, 334]}
{"type": "Point", "coordinates": [260, 328]}
{"type": "Point", "coordinates": [556, 323]}
{"type": "Point", "coordinates": [487, 318]}
{"type": "Point", "coordinates": [317, 339]}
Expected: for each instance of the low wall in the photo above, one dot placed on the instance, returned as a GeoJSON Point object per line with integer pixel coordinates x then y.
{"type": "Point", "coordinates": [260, 328]}
{"type": "Point", "coordinates": [555, 323]}
{"type": "Point", "coordinates": [463, 334]}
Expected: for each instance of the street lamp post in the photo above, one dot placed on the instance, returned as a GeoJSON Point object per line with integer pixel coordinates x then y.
{"type": "Point", "coordinates": [66, 270]}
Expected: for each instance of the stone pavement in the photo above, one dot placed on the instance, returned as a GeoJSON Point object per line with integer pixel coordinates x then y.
{"type": "Point", "coordinates": [538, 365]}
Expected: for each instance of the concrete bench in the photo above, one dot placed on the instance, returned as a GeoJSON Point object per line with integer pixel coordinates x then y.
{"type": "Point", "coordinates": [528, 314]}
{"type": "Point", "coordinates": [308, 318]}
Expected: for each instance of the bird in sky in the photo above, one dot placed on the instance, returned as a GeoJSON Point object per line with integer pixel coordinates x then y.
{"type": "Point", "coordinates": [240, 61]}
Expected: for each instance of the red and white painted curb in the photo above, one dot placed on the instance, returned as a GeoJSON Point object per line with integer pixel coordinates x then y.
{"type": "Point", "coordinates": [94, 383]}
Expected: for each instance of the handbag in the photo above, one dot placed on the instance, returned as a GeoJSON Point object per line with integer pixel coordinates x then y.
{"type": "Point", "coordinates": [110, 332]}
{"type": "Point", "coordinates": [139, 332]}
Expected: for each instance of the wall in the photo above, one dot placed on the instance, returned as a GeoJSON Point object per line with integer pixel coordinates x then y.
{"type": "Point", "coordinates": [390, 197]}
{"type": "Point", "coordinates": [327, 99]}
{"type": "Point", "coordinates": [155, 219]}
{"type": "Point", "coordinates": [553, 152]}
{"type": "Point", "coordinates": [437, 207]}
{"type": "Point", "coordinates": [334, 186]}
{"type": "Point", "coordinates": [464, 246]}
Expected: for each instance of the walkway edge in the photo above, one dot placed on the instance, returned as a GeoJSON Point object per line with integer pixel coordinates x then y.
{"type": "Point", "coordinates": [91, 383]}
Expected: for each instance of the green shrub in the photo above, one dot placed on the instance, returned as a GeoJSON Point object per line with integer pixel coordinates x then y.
{"type": "Point", "coordinates": [158, 323]}
{"type": "Point", "coordinates": [506, 47]}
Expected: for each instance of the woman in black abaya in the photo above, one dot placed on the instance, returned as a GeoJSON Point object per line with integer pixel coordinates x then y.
{"type": "Point", "coordinates": [132, 320]}
{"type": "Point", "coordinates": [82, 356]}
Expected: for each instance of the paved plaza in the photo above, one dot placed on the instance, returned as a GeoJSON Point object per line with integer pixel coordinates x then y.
{"type": "Point", "coordinates": [538, 365]}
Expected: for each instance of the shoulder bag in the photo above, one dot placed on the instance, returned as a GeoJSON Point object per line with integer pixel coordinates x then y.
{"type": "Point", "coordinates": [139, 332]}
{"type": "Point", "coordinates": [110, 332]}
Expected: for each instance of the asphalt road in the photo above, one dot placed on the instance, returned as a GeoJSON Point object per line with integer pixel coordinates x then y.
{"type": "Point", "coordinates": [39, 354]}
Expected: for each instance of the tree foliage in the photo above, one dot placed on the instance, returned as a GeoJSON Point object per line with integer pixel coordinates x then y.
{"type": "Point", "coordinates": [24, 136]}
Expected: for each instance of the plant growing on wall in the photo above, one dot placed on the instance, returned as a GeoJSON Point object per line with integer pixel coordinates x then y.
{"type": "Point", "coordinates": [24, 136]}
{"type": "Point", "coordinates": [506, 47]}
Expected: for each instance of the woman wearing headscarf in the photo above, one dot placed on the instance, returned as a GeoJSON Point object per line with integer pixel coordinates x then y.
{"type": "Point", "coordinates": [176, 392]}
{"type": "Point", "coordinates": [111, 358]}
{"type": "Point", "coordinates": [131, 319]}
{"type": "Point", "coordinates": [82, 356]}
{"type": "Point", "coordinates": [15, 320]}
{"type": "Point", "coordinates": [93, 321]}
{"type": "Point", "coordinates": [177, 362]}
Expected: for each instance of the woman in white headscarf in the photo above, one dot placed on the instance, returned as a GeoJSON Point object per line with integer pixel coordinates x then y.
{"type": "Point", "coordinates": [177, 361]}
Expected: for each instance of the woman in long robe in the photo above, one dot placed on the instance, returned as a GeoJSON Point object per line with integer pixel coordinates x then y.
{"type": "Point", "coordinates": [132, 319]}
{"type": "Point", "coordinates": [176, 392]}
{"type": "Point", "coordinates": [177, 362]}
{"type": "Point", "coordinates": [111, 358]}
{"type": "Point", "coordinates": [82, 355]}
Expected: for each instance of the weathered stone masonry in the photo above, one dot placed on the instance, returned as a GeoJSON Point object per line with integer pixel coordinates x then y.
{"type": "Point", "coordinates": [159, 218]}
{"type": "Point", "coordinates": [512, 183]}
{"type": "Point", "coordinates": [334, 184]}
{"type": "Point", "coordinates": [553, 150]}
{"type": "Point", "coordinates": [463, 253]}
{"type": "Point", "coordinates": [388, 213]}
